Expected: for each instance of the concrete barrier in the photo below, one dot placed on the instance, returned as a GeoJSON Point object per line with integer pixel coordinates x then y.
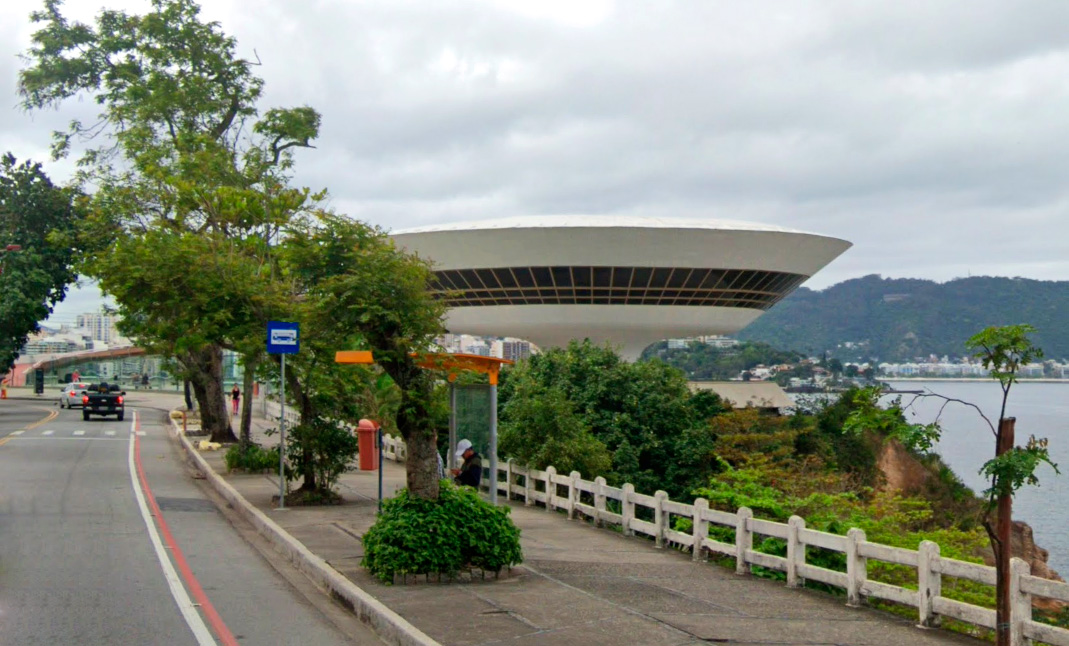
{"type": "Point", "coordinates": [390, 626]}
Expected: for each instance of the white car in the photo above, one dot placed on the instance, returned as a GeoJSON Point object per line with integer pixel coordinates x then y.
{"type": "Point", "coordinates": [71, 395]}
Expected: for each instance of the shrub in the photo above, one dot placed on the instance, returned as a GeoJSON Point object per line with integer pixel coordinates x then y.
{"type": "Point", "coordinates": [327, 448]}
{"type": "Point", "coordinates": [459, 530]}
{"type": "Point", "coordinates": [251, 457]}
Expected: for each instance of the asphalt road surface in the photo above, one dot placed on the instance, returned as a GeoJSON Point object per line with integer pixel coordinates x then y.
{"type": "Point", "coordinates": [85, 558]}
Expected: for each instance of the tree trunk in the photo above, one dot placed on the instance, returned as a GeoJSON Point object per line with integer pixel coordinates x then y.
{"type": "Point", "coordinates": [189, 395]}
{"type": "Point", "coordinates": [421, 437]}
{"type": "Point", "coordinates": [308, 475]}
{"type": "Point", "coordinates": [421, 465]}
{"type": "Point", "coordinates": [1002, 547]}
{"type": "Point", "coordinates": [246, 403]}
{"type": "Point", "coordinates": [206, 375]}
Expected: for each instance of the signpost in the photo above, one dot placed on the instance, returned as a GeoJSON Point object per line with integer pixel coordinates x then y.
{"type": "Point", "coordinates": [282, 338]}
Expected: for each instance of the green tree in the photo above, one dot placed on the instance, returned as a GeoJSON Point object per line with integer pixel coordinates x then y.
{"type": "Point", "coordinates": [541, 428]}
{"type": "Point", "coordinates": [185, 154]}
{"type": "Point", "coordinates": [1003, 350]}
{"type": "Point", "coordinates": [359, 291]}
{"type": "Point", "coordinates": [39, 218]}
{"type": "Point", "coordinates": [655, 429]}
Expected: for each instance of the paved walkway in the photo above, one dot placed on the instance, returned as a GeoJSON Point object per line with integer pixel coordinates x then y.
{"type": "Point", "coordinates": [579, 585]}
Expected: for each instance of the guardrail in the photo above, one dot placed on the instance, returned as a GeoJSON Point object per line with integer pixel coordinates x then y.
{"type": "Point", "coordinates": [272, 411]}
{"type": "Point", "coordinates": [652, 516]}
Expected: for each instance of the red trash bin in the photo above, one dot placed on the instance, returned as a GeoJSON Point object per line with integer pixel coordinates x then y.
{"type": "Point", "coordinates": [367, 435]}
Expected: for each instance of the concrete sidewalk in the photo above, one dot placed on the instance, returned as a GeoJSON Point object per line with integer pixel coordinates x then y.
{"type": "Point", "coordinates": [578, 584]}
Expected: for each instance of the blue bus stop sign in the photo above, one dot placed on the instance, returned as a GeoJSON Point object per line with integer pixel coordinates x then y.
{"type": "Point", "coordinates": [283, 338]}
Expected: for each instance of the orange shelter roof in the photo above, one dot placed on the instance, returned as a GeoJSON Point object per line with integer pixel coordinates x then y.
{"type": "Point", "coordinates": [451, 363]}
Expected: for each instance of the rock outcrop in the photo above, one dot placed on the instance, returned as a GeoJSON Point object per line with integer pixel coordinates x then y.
{"type": "Point", "coordinates": [903, 472]}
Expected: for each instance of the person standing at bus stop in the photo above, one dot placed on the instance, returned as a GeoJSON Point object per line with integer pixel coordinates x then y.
{"type": "Point", "coordinates": [470, 473]}
{"type": "Point", "coordinates": [235, 397]}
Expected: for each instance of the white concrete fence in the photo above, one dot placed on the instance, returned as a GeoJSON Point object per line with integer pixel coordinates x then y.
{"type": "Point", "coordinates": [566, 493]}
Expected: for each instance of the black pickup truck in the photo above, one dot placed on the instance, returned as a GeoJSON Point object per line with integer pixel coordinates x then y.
{"type": "Point", "coordinates": [101, 399]}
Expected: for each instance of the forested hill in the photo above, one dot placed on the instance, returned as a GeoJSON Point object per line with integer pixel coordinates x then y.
{"type": "Point", "coordinates": [898, 319]}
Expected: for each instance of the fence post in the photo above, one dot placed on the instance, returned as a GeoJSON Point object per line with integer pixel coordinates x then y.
{"type": "Point", "coordinates": [743, 540]}
{"type": "Point", "coordinates": [795, 551]}
{"type": "Point", "coordinates": [599, 501]}
{"type": "Point", "coordinates": [1020, 602]}
{"type": "Point", "coordinates": [508, 480]}
{"type": "Point", "coordinates": [527, 487]}
{"type": "Point", "coordinates": [627, 507]}
{"type": "Point", "coordinates": [701, 527]}
{"type": "Point", "coordinates": [551, 487]}
{"type": "Point", "coordinates": [856, 567]}
{"type": "Point", "coordinates": [660, 518]}
{"type": "Point", "coordinates": [573, 493]}
{"type": "Point", "coordinates": [929, 583]}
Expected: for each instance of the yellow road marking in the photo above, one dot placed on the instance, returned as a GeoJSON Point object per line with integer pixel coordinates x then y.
{"type": "Point", "coordinates": [48, 418]}
{"type": "Point", "coordinates": [51, 416]}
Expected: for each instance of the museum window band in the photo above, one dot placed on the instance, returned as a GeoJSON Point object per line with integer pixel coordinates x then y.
{"type": "Point", "coordinates": [566, 285]}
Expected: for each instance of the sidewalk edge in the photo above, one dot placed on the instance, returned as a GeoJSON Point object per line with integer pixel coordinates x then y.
{"type": "Point", "coordinates": [387, 624]}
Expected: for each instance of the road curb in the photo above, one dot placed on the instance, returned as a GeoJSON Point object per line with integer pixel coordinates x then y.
{"type": "Point", "coordinates": [387, 624]}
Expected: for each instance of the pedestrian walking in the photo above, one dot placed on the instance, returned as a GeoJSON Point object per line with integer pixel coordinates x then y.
{"type": "Point", "coordinates": [235, 397]}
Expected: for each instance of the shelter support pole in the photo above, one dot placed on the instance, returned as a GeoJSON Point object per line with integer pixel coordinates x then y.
{"type": "Point", "coordinates": [493, 436]}
{"type": "Point", "coordinates": [451, 454]}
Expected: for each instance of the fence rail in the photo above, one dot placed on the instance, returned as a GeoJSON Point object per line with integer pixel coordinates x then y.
{"type": "Point", "coordinates": [651, 516]}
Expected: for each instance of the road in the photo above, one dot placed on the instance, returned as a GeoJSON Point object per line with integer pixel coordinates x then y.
{"type": "Point", "coordinates": [84, 558]}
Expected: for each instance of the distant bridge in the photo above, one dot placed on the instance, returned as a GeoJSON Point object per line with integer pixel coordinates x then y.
{"type": "Point", "coordinates": [72, 358]}
{"type": "Point", "coordinates": [17, 376]}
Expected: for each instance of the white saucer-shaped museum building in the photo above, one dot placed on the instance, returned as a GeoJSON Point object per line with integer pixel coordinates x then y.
{"type": "Point", "coordinates": [630, 281]}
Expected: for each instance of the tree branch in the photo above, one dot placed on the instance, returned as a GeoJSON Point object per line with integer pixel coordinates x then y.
{"type": "Point", "coordinates": [949, 400]}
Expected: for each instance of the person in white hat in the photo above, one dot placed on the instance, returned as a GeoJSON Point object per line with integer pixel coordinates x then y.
{"type": "Point", "coordinates": [471, 472]}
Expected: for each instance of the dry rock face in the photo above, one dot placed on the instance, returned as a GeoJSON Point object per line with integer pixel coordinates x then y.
{"type": "Point", "coordinates": [902, 472]}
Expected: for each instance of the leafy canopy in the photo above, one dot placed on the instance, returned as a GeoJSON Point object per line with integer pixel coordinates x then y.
{"type": "Point", "coordinates": [643, 413]}
{"type": "Point", "coordinates": [40, 218]}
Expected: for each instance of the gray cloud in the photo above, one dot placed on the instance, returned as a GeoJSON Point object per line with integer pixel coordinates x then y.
{"type": "Point", "coordinates": [929, 134]}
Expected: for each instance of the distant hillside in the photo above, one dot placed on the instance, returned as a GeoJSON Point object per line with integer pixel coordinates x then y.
{"type": "Point", "coordinates": [898, 319]}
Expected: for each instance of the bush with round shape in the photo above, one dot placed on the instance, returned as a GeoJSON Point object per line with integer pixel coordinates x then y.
{"type": "Point", "coordinates": [457, 531]}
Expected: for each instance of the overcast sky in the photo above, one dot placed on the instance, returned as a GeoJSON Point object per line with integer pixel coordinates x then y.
{"type": "Point", "coordinates": [932, 135]}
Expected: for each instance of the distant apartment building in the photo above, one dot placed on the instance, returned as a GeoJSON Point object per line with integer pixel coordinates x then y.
{"type": "Point", "coordinates": [101, 327]}
{"type": "Point", "coordinates": [719, 341]}
{"type": "Point", "coordinates": [963, 369]}
{"type": "Point", "coordinates": [715, 341]}
{"type": "Point", "coordinates": [55, 344]}
{"type": "Point", "coordinates": [515, 349]}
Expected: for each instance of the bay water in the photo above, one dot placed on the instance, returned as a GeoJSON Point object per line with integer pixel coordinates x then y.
{"type": "Point", "coordinates": [1041, 409]}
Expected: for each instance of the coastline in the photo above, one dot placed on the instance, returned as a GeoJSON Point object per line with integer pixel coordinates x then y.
{"type": "Point", "coordinates": [969, 380]}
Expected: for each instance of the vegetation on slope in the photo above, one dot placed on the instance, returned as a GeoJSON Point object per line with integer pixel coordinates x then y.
{"type": "Point", "coordinates": [899, 319]}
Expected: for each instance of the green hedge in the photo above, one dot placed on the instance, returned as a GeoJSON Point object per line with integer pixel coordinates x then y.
{"type": "Point", "coordinates": [444, 536]}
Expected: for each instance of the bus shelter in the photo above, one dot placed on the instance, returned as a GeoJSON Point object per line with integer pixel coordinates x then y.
{"type": "Point", "coordinates": [452, 365]}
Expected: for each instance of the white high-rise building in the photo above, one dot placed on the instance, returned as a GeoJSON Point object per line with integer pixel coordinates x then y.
{"type": "Point", "coordinates": [100, 326]}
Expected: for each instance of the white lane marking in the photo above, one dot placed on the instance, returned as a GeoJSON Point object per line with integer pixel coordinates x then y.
{"type": "Point", "coordinates": [17, 432]}
{"type": "Point", "coordinates": [141, 433]}
{"type": "Point", "coordinates": [79, 432]}
{"type": "Point", "coordinates": [71, 439]}
{"type": "Point", "coordinates": [47, 432]}
{"type": "Point", "coordinates": [109, 433]}
{"type": "Point", "coordinates": [185, 605]}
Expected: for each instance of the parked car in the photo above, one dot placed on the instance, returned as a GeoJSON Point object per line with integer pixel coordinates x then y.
{"type": "Point", "coordinates": [102, 399]}
{"type": "Point", "coordinates": [71, 395]}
